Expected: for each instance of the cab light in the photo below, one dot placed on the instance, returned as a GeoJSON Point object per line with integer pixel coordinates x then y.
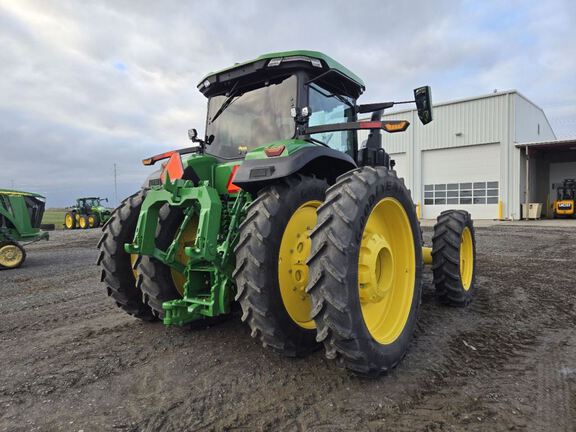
{"type": "Point", "coordinates": [274, 151]}
{"type": "Point", "coordinates": [147, 161]}
{"type": "Point", "coordinates": [231, 187]}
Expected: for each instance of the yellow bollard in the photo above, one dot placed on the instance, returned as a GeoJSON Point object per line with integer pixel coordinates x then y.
{"type": "Point", "coordinates": [500, 210]}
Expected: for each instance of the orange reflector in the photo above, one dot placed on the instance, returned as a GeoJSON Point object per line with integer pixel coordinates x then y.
{"type": "Point", "coordinates": [231, 187]}
{"type": "Point", "coordinates": [174, 168]}
{"type": "Point", "coordinates": [274, 151]}
{"type": "Point", "coordinates": [147, 161]}
{"type": "Point", "coordinates": [396, 126]}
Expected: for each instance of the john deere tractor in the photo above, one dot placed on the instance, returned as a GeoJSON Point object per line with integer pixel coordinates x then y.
{"type": "Point", "coordinates": [20, 217]}
{"type": "Point", "coordinates": [87, 213]}
{"type": "Point", "coordinates": [277, 210]}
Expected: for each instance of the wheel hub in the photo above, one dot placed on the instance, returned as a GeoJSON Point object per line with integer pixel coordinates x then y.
{"type": "Point", "coordinates": [299, 254]}
{"type": "Point", "coordinates": [375, 268]}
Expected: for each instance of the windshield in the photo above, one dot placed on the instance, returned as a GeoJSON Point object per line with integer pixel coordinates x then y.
{"type": "Point", "coordinates": [252, 119]}
{"type": "Point", "coordinates": [327, 109]}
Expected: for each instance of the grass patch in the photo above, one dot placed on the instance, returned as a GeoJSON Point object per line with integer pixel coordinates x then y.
{"type": "Point", "coordinates": [55, 217]}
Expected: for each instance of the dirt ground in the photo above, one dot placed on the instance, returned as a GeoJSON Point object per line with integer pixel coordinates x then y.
{"type": "Point", "coordinates": [71, 360]}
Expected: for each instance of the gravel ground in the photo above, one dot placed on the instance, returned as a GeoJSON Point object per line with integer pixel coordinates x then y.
{"type": "Point", "coordinates": [71, 360]}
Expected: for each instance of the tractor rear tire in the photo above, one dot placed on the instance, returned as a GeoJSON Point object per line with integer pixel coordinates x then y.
{"type": "Point", "coordinates": [366, 270]}
{"type": "Point", "coordinates": [117, 272]}
{"type": "Point", "coordinates": [70, 220]}
{"type": "Point", "coordinates": [12, 255]}
{"type": "Point", "coordinates": [271, 271]}
{"type": "Point", "coordinates": [454, 258]}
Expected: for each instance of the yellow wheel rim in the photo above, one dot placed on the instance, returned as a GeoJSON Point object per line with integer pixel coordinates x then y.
{"type": "Point", "coordinates": [82, 222]}
{"type": "Point", "coordinates": [466, 258]}
{"type": "Point", "coordinates": [133, 259]}
{"type": "Point", "coordinates": [91, 221]}
{"type": "Point", "coordinates": [68, 221]}
{"type": "Point", "coordinates": [188, 238]}
{"type": "Point", "coordinates": [386, 271]}
{"type": "Point", "coordinates": [292, 269]}
{"type": "Point", "coordinates": [10, 255]}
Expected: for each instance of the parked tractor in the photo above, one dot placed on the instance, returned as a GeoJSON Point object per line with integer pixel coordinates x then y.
{"type": "Point", "coordinates": [564, 204]}
{"type": "Point", "coordinates": [20, 217]}
{"type": "Point", "coordinates": [278, 210]}
{"type": "Point", "coordinates": [87, 213]}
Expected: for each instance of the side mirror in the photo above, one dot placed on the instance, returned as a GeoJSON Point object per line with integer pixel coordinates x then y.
{"type": "Point", "coordinates": [192, 134]}
{"type": "Point", "coordinates": [423, 99]}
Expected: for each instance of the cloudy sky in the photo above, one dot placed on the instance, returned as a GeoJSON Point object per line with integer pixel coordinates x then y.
{"type": "Point", "coordinates": [86, 84]}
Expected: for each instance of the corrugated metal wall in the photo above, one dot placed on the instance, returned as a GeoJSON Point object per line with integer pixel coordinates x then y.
{"type": "Point", "coordinates": [501, 118]}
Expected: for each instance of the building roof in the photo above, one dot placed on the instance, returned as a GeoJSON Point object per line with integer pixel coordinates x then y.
{"type": "Point", "coordinates": [565, 144]}
{"type": "Point", "coordinates": [471, 98]}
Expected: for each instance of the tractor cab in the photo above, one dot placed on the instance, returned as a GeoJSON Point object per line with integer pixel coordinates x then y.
{"type": "Point", "coordinates": [261, 102]}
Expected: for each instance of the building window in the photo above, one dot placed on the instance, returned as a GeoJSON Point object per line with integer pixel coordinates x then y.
{"type": "Point", "coordinates": [461, 193]}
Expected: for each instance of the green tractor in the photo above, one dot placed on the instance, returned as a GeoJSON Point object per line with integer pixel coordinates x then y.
{"type": "Point", "coordinates": [87, 213]}
{"type": "Point", "coordinates": [20, 217]}
{"type": "Point", "coordinates": [277, 210]}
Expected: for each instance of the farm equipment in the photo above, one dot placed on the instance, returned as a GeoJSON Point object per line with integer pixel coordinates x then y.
{"type": "Point", "coordinates": [87, 213]}
{"type": "Point", "coordinates": [564, 204]}
{"type": "Point", "coordinates": [20, 217]}
{"type": "Point", "coordinates": [278, 210]}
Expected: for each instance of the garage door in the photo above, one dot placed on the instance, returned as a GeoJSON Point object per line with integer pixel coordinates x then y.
{"type": "Point", "coordinates": [401, 166]}
{"type": "Point", "coordinates": [463, 177]}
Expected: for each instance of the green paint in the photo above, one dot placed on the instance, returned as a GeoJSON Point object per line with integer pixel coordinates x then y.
{"type": "Point", "coordinates": [14, 210]}
{"type": "Point", "coordinates": [332, 64]}
{"type": "Point", "coordinates": [292, 146]}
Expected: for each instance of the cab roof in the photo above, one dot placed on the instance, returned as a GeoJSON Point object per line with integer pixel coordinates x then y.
{"type": "Point", "coordinates": [215, 82]}
{"type": "Point", "coordinates": [19, 193]}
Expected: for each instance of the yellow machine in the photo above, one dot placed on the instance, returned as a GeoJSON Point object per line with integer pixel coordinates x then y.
{"type": "Point", "coordinates": [563, 206]}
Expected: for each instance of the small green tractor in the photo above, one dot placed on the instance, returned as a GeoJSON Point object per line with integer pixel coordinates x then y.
{"type": "Point", "coordinates": [87, 213]}
{"type": "Point", "coordinates": [277, 210]}
{"type": "Point", "coordinates": [20, 217]}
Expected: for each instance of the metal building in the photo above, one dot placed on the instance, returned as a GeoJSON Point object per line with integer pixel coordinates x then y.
{"type": "Point", "coordinates": [468, 156]}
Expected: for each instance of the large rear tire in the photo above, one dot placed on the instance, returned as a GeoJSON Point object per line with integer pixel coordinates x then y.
{"type": "Point", "coordinates": [454, 258]}
{"type": "Point", "coordinates": [12, 255]}
{"type": "Point", "coordinates": [366, 270]}
{"type": "Point", "coordinates": [271, 272]}
{"type": "Point", "coordinates": [117, 273]}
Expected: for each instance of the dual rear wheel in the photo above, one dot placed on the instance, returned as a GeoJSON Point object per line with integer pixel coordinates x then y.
{"type": "Point", "coordinates": [342, 266]}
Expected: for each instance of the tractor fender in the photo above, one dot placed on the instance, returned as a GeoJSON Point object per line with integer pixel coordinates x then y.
{"type": "Point", "coordinates": [323, 162]}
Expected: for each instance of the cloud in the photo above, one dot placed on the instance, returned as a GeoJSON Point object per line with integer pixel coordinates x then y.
{"type": "Point", "coordinates": [86, 85]}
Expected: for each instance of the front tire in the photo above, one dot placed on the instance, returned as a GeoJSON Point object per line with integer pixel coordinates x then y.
{"type": "Point", "coordinates": [366, 270]}
{"type": "Point", "coordinates": [454, 258]}
{"type": "Point", "coordinates": [271, 272]}
{"type": "Point", "coordinates": [12, 255]}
